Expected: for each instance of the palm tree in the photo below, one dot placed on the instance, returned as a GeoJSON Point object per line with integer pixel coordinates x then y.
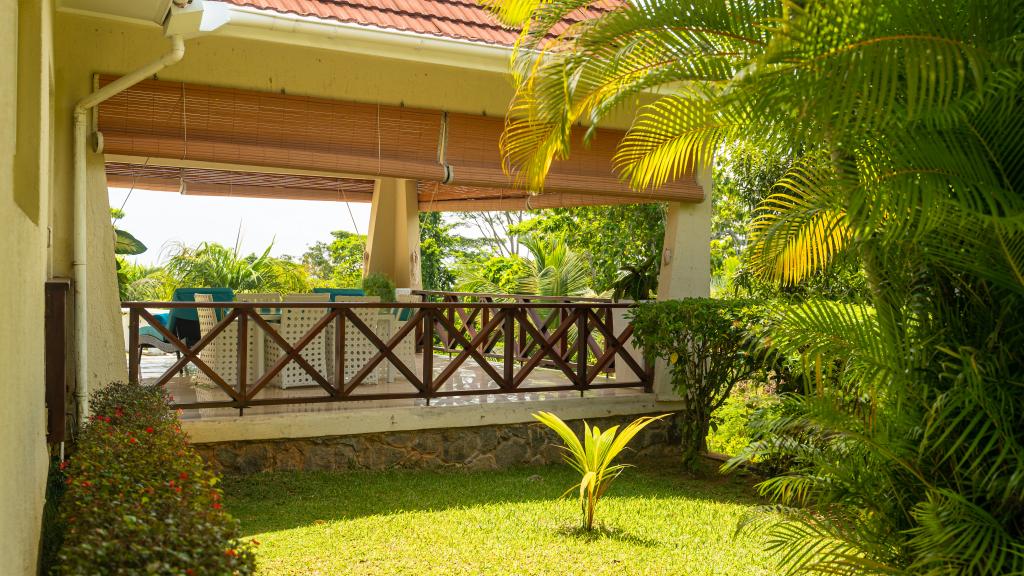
{"type": "Point", "coordinates": [906, 123]}
{"type": "Point", "coordinates": [212, 265]}
{"type": "Point", "coordinates": [552, 269]}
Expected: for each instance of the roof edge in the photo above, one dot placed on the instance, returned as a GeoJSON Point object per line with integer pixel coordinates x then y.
{"type": "Point", "coordinates": [309, 31]}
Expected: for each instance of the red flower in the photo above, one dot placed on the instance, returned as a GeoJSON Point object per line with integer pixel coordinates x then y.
{"type": "Point", "coordinates": [231, 552]}
{"type": "Point", "coordinates": [149, 429]}
{"type": "Point", "coordinates": [63, 464]}
{"type": "Point", "coordinates": [118, 413]}
{"type": "Point", "coordinates": [216, 505]}
{"type": "Point", "coordinates": [183, 475]}
{"type": "Point", "coordinates": [86, 483]}
{"type": "Point", "coordinates": [133, 440]}
{"type": "Point", "coordinates": [189, 572]}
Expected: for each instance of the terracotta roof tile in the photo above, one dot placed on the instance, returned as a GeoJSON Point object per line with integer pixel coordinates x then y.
{"type": "Point", "coordinates": [461, 19]}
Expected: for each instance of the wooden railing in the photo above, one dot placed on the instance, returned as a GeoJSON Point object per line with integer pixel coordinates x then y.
{"type": "Point", "coordinates": [507, 340]}
{"type": "Point", "coordinates": [469, 321]}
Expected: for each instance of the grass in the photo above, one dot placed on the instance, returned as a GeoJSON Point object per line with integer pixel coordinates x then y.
{"type": "Point", "coordinates": [507, 522]}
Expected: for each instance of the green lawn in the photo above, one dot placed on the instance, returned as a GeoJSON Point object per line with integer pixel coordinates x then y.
{"type": "Point", "coordinates": [509, 522]}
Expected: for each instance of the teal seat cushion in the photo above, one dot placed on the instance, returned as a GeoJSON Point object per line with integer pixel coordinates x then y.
{"type": "Point", "coordinates": [150, 331]}
{"type": "Point", "coordinates": [189, 295]}
{"type": "Point", "coordinates": [335, 292]}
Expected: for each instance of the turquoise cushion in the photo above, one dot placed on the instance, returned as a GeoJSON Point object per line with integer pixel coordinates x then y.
{"type": "Point", "coordinates": [150, 331]}
{"type": "Point", "coordinates": [335, 292]}
{"type": "Point", "coordinates": [189, 295]}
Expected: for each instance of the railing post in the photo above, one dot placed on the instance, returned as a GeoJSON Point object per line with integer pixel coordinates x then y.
{"type": "Point", "coordinates": [510, 352]}
{"type": "Point", "coordinates": [428, 353]}
{"type": "Point", "coordinates": [581, 349]}
{"type": "Point", "coordinates": [339, 351]}
{"type": "Point", "coordinates": [133, 346]}
{"type": "Point", "coordinates": [243, 355]}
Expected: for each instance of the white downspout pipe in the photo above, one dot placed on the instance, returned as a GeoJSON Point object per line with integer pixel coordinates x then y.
{"type": "Point", "coordinates": [81, 203]}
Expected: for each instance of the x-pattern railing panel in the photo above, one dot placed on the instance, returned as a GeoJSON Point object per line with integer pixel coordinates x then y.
{"type": "Point", "coordinates": [506, 338]}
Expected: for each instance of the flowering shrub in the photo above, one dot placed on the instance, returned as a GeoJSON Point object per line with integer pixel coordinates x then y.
{"type": "Point", "coordinates": [139, 500]}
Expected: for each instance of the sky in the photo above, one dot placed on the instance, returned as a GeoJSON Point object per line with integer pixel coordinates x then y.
{"type": "Point", "coordinates": [156, 218]}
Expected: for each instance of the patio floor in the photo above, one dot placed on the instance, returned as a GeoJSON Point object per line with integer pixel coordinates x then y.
{"type": "Point", "coordinates": [469, 377]}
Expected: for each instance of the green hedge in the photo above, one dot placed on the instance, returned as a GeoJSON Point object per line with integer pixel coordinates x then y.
{"type": "Point", "coordinates": [140, 500]}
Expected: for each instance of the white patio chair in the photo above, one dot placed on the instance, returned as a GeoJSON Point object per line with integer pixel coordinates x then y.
{"type": "Point", "coordinates": [406, 349]}
{"type": "Point", "coordinates": [295, 322]}
{"type": "Point", "coordinates": [358, 348]}
{"type": "Point", "coordinates": [221, 354]}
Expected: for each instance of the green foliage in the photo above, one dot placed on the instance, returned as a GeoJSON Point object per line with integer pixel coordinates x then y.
{"type": "Point", "coordinates": [731, 428]}
{"type": "Point", "coordinates": [437, 248]}
{"type": "Point", "coordinates": [616, 241]}
{"type": "Point", "coordinates": [213, 265]}
{"type": "Point", "coordinates": [141, 283]}
{"type": "Point", "coordinates": [139, 500]}
{"type": "Point", "coordinates": [903, 127]}
{"type": "Point", "coordinates": [554, 269]}
{"type": "Point", "coordinates": [703, 341]}
{"type": "Point", "coordinates": [593, 456]}
{"type": "Point", "coordinates": [338, 263]}
{"type": "Point", "coordinates": [380, 285]}
{"type": "Point", "coordinates": [495, 275]}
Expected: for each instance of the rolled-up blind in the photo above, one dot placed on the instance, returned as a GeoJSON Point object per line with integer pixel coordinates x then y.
{"type": "Point", "coordinates": [187, 122]}
{"type": "Point", "coordinates": [472, 152]}
{"type": "Point", "coordinates": [158, 119]}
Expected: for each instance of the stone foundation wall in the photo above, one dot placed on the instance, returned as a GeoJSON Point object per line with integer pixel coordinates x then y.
{"type": "Point", "coordinates": [473, 448]}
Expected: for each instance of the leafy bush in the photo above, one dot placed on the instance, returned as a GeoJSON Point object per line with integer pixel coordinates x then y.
{"type": "Point", "coordinates": [703, 342]}
{"type": "Point", "coordinates": [378, 284]}
{"type": "Point", "coordinates": [139, 500]}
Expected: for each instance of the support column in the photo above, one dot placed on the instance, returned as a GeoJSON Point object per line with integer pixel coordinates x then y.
{"type": "Point", "coordinates": [393, 241]}
{"type": "Point", "coordinates": [685, 264]}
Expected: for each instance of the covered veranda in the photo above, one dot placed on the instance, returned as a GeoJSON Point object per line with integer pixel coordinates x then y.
{"type": "Point", "coordinates": [407, 130]}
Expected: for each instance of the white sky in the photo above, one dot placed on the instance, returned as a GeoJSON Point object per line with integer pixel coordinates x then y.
{"type": "Point", "coordinates": [156, 218]}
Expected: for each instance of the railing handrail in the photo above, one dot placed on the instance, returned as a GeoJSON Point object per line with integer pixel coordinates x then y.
{"type": "Point", "coordinates": [564, 299]}
{"type": "Point", "coordinates": [347, 305]}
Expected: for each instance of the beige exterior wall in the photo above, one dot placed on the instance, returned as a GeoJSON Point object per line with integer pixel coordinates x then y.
{"type": "Point", "coordinates": [25, 116]}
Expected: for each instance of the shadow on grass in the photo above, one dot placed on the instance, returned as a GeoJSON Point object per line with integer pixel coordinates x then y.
{"type": "Point", "coordinates": [281, 500]}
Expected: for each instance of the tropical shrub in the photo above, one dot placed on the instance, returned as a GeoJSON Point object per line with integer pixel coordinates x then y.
{"type": "Point", "coordinates": [731, 428]}
{"type": "Point", "coordinates": [139, 500]}
{"type": "Point", "coordinates": [593, 457]}
{"type": "Point", "coordinates": [212, 265]}
{"type": "Point", "coordinates": [904, 129]}
{"type": "Point", "coordinates": [703, 342]}
{"type": "Point", "coordinates": [380, 285]}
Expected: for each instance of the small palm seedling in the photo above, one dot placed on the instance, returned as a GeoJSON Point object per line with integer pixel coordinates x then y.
{"type": "Point", "coordinates": [593, 457]}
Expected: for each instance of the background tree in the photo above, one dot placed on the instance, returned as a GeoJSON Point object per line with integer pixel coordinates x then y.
{"type": "Point", "coordinates": [336, 263]}
{"type": "Point", "coordinates": [614, 238]}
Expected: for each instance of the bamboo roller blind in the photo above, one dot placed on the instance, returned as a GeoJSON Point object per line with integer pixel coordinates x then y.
{"type": "Point", "coordinates": [176, 121]}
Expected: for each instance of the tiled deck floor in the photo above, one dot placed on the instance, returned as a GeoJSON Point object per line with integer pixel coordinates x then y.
{"type": "Point", "coordinates": [469, 376]}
